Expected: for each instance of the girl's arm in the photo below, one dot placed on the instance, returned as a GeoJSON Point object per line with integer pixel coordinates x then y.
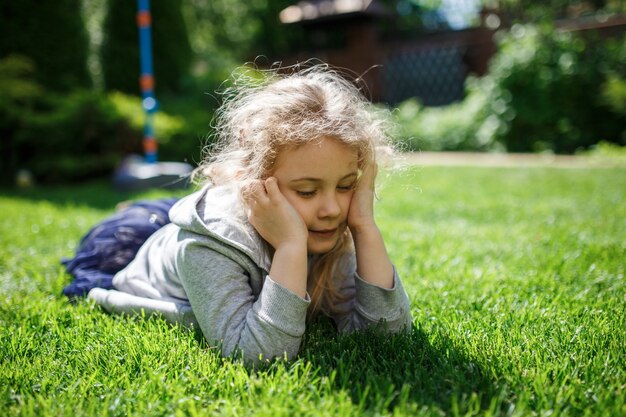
{"type": "Point", "coordinates": [375, 293]}
{"type": "Point", "coordinates": [373, 263]}
{"type": "Point", "coordinates": [231, 313]}
{"type": "Point", "coordinates": [365, 305]}
{"type": "Point", "coordinates": [282, 227]}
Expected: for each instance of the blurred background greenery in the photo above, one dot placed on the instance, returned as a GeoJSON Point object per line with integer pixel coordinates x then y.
{"type": "Point", "coordinates": [70, 105]}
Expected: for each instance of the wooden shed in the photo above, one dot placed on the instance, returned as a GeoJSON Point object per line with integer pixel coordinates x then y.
{"type": "Point", "coordinates": [432, 66]}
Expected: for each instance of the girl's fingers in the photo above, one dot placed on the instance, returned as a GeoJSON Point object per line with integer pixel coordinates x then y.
{"type": "Point", "coordinates": [254, 191]}
{"type": "Point", "coordinates": [372, 169]}
{"type": "Point", "coordinates": [368, 177]}
{"type": "Point", "coordinates": [271, 186]}
{"type": "Point", "coordinates": [262, 192]}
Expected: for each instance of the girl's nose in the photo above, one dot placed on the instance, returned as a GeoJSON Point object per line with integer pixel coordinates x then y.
{"type": "Point", "coordinates": [329, 206]}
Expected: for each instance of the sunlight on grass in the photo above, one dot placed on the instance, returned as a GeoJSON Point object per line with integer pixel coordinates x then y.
{"type": "Point", "coordinates": [516, 277]}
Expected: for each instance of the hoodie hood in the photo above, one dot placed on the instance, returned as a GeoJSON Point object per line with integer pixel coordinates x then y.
{"type": "Point", "coordinates": [218, 212]}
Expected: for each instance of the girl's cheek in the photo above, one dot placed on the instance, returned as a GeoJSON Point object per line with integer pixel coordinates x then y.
{"type": "Point", "coordinates": [348, 199]}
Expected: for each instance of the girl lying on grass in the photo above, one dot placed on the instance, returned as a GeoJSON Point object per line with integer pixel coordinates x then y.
{"type": "Point", "coordinates": [283, 228]}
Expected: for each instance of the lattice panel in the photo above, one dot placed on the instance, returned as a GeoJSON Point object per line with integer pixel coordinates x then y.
{"type": "Point", "coordinates": [435, 75]}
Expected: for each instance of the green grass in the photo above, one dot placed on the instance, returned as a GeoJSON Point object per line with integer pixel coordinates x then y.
{"type": "Point", "coordinates": [516, 277]}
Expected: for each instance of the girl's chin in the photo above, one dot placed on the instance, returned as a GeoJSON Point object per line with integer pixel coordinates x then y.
{"type": "Point", "coordinates": [321, 243]}
{"type": "Point", "coordinates": [318, 248]}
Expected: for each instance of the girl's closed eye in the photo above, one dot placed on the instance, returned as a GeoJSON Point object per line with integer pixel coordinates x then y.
{"type": "Point", "coordinates": [305, 193]}
{"type": "Point", "coordinates": [311, 193]}
{"type": "Point", "coordinates": [347, 187]}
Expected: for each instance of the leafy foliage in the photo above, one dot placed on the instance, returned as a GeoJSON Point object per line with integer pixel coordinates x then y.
{"type": "Point", "coordinates": [532, 11]}
{"type": "Point", "coordinates": [546, 90]}
{"type": "Point", "coordinates": [549, 89]}
{"type": "Point", "coordinates": [460, 126]}
{"type": "Point", "coordinates": [78, 135]}
{"type": "Point", "coordinates": [410, 18]}
{"type": "Point", "coordinates": [65, 138]}
{"type": "Point", "coordinates": [52, 36]}
{"type": "Point", "coordinates": [240, 29]}
{"type": "Point", "coordinates": [16, 82]}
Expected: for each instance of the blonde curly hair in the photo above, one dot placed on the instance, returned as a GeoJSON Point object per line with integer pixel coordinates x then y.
{"type": "Point", "coordinates": [286, 108]}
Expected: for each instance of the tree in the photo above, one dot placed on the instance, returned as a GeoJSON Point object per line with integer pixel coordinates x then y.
{"type": "Point", "coordinates": [549, 10]}
{"type": "Point", "coordinates": [170, 46]}
{"type": "Point", "coordinates": [240, 29]}
{"type": "Point", "coordinates": [52, 35]}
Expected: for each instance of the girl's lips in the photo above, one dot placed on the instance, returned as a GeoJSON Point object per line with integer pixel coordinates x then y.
{"type": "Point", "coordinates": [325, 234]}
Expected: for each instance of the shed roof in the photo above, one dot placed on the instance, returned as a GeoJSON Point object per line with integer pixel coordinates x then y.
{"type": "Point", "coordinates": [317, 10]}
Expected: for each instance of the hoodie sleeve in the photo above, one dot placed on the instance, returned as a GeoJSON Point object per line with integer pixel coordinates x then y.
{"type": "Point", "coordinates": [366, 304]}
{"type": "Point", "coordinates": [231, 315]}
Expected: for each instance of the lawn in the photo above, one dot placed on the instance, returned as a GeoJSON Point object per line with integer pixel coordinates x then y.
{"type": "Point", "coordinates": [516, 277]}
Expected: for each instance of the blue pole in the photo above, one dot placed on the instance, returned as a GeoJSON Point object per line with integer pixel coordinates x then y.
{"type": "Point", "coordinates": [146, 80]}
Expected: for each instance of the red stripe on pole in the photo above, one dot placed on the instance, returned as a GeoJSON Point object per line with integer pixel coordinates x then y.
{"type": "Point", "coordinates": [146, 82]}
{"type": "Point", "coordinates": [144, 19]}
{"type": "Point", "coordinates": [149, 145]}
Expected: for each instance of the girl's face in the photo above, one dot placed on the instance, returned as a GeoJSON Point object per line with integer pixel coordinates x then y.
{"type": "Point", "coordinates": [318, 180]}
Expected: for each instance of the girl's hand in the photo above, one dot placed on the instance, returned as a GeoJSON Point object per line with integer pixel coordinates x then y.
{"type": "Point", "coordinates": [361, 212]}
{"type": "Point", "coordinates": [272, 215]}
{"type": "Point", "coordinates": [372, 261]}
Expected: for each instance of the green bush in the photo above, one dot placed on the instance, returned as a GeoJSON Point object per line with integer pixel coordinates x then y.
{"type": "Point", "coordinates": [606, 150]}
{"type": "Point", "coordinates": [80, 135]}
{"type": "Point", "coordinates": [65, 138]}
{"type": "Point", "coordinates": [461, 126]}
{"type": "Point", "coordinates": [546, 91]}
{"type": "Point", "coordinates": [130, 108]}
{"type": "Point", "coordinates": [52, 35]}
{"type": "Point", "coordinates": [613, 94]}
{"type": "Point", "coordinates": [16, 81]}
{"type": "Point", "coordinates": [180, 130]}
{"type": "Point", "coordinates": [84, 135]}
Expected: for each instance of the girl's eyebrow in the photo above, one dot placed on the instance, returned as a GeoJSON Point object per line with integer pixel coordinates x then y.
{"type": "Point", "coordinates": [317, 180]}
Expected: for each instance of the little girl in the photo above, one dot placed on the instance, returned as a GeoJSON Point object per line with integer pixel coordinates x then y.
{"type": "Point", "coordinates": [283, 228]}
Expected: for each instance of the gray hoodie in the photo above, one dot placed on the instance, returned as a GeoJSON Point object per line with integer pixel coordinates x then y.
{"type": "Point", "coordinates": [209, 268]}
